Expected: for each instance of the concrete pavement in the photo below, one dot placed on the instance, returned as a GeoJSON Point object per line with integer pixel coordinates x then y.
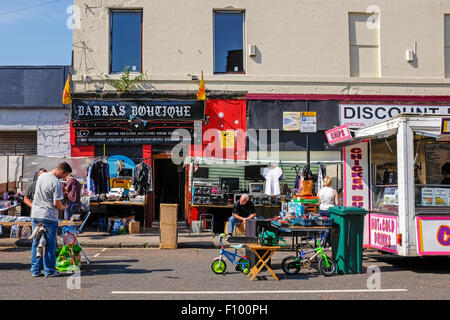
{"type": "Point", "coordinates": [149, 239]}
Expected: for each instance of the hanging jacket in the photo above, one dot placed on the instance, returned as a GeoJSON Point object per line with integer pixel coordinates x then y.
{"type": "Point", "coordinates": [98, 177]}
{"type": "Point", "coordinates": [142, 178]}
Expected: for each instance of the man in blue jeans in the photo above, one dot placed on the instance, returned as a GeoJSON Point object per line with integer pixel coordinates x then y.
{"type": "Point", "coordinates": [46, 203]}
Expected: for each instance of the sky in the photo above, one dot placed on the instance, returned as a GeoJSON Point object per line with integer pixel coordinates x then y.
{"type": "Point", "coordinates": [35, 32]}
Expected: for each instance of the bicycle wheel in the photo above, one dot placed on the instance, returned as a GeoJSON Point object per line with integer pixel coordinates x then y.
{"type": "Point", "coordinates": [218, 266]}
{"type": "Point", "coordinates": [290, 265]}
{"type": "Point", "coordinates": [327, 271]}
{"type": "Point", "coordinates": [244, 266]}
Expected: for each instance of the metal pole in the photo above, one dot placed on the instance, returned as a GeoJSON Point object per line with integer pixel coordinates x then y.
{"type": "Point", "coordinates": [308, 151]}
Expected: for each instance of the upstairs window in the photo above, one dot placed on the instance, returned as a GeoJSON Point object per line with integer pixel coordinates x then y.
{"type": "Point", "coordinates": [126, 40]}
{"type": "Point", "coordinates": [229, 42]}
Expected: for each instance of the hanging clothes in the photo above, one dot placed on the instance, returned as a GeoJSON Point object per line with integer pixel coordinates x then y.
{"type": "Point", "coordinates": [322, 174]}
{"type": "Point", "coordinates": [297, 182]}
{"type": "Point", "coordinates": [273, 181]}
{"type": "Point", "coordinates": [142, 178]}
{"type": "Point", "coordinates": [98, 177]}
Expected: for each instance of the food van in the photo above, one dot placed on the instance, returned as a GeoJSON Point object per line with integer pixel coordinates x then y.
{"type": "Point", "coordinates": [394, 170]}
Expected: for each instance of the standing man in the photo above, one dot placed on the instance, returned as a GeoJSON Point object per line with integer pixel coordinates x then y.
{"type": "Point", "coordinates": [29, 194]}
{"type": "Point", "coordinates": [47, 201]}
{"type": "Point", "coordinates": [73, 189]}
{"type": "Point", "coordinates": [243, 210]}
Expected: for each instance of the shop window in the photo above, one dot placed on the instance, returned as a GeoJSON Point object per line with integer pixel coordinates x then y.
{"type": "Point", "coordinates": [364, 46]}
{"type": "Point", "coordinates": [228, 42]}
{"type": "Point", "coordinates": [126, 41]}
{"type": "Point", "coordinates": [447, 44]}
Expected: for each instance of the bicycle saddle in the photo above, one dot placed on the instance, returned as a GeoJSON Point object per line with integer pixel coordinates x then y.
{"type": "Point", "coordinates": [237, 246]}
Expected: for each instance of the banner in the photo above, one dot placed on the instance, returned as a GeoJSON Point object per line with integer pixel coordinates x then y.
{"type": "Point", "coordinates": [338, 134]}
{"type": "Point", "coordinates": [383, 232]}
{"type": "Point", "coordinates": [433, 235]}
{"type": "Point", "coordinates": [363, 115]}
{"type": "Point", "coordinates": [356, 175]}
{"type": "Point", "coordinates": [144, 110]}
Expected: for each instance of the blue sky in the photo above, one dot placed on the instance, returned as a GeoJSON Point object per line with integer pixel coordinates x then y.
{"type": "Point", "coordinates": [34, 32]}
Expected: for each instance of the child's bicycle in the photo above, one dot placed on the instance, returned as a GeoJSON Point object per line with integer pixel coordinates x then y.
{"type": "Point", "coordinates": [326, 265]}
{"type": "Point", "coordinates": [219, 266]}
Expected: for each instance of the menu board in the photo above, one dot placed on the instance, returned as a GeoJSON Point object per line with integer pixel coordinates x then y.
{"type": "Point", "coordinates": [437, 154]}
{"type": "Point", "coordinates": [436, 197]}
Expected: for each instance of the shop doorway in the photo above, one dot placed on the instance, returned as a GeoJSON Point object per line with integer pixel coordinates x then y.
{"type": "Point", "coordinates": [169, 180]}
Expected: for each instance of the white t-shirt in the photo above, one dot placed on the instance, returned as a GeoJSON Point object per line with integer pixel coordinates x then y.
{"type": "Point", "coordinates": [273, 181]}
{"type": "Point", "coordinates": [326, 196]}
{"type": "Point", "coordinates": [48, 190]}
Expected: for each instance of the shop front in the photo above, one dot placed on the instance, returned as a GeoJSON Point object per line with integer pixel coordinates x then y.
{"type": "Point", "coordinates": [135, 139]}
{"type": "Point", "coordinates": [260, 139]}
{"type": "Point", "coordinates": [394, 169]}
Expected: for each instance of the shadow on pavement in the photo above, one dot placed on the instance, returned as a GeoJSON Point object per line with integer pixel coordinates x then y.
{"type": "Point", "coordinates": [437, 265]}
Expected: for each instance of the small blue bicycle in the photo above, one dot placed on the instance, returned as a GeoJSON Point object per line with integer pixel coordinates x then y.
{"type": "Point", "coordinates": [219, 266]}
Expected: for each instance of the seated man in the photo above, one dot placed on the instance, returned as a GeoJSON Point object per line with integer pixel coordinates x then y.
{"type": "Point", "coordinates": [242, 211]}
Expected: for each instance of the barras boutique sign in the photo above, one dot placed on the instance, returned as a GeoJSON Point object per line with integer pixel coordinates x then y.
{"type": "Point", "coordinates": [144, 110]}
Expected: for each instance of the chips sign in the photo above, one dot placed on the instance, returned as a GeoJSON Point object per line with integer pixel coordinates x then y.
{"type": "Point", "coordinates": [338, 134]}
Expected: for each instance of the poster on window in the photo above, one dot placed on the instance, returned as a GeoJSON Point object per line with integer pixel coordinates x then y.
{"type": "Point", "coordinates": [356, 175]}
{"type": "Point", "coordinates": [291, 121]}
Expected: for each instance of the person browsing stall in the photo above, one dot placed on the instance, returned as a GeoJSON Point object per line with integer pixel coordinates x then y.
{"type": "Point", "coordinates": [29, 194]}
{"type": "Point", "coordinates": [328, 197]}
{"type": "Point", "coordinates": [243, 210]}
{"type": "Point", "coordinates": [73, 190]}
{"type": "Point", "coordinates": [47, 201]}
{"type": "Point", "coordinates": [446, 173]}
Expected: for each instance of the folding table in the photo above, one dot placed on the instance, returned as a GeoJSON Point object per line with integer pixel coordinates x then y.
{"type": "Point", "coordinates": [262, 259]}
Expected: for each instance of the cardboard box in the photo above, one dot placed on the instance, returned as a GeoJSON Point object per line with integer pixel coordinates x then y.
{"type": "Point", "coordinates": [168, 226]}
{"type": "Point", "coordinates": [239, 230]}
{"type": "Point", "coordinates": [134, 227]}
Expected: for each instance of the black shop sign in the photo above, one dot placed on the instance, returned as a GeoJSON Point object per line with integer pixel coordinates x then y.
{"type": "Point", "coordinates": [145, 110]}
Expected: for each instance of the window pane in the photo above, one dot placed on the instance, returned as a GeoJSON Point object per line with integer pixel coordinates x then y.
{"type": "Point", "coordinates": [228, 41]}
{"type": "Point", "coordinates": [126, 41]}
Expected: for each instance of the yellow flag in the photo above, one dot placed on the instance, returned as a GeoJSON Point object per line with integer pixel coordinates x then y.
{"type": "Point", "coordinates": [67, 97]}
{"type": "Point", "coordinates": [201, 94]}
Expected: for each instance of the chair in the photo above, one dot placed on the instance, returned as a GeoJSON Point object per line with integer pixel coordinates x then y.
{"type": "Point", "coordinates": [205, 218]}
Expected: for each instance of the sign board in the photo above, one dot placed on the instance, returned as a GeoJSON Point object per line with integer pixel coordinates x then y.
{"type": "Point", "coordinates": [356, 175]}
{"type": "Point", "coordinates": [291, 121]}
{"type": "Point", "coordinates": [338, 134]}
{"type": "Point", "coordinates": [117, 133]}
{"type": "Point", "coordinates": [144, 110]}
{"type": "Point", "coordinates": [433, 235]}
{"type": "Point", "coordinates": [363, 115]}
{"type": "Point", "coordinates": [383, 232]}
{"type": "Point", "coordinates": [308, 122]}
{"type": "Point", "coordinates": [227, 139]}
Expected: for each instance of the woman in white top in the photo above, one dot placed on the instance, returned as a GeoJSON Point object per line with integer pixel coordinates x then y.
{"type": "Point", "coordinates": [328, 197]}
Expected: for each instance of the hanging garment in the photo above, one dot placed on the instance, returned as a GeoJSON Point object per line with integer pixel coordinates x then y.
{"type": "Point", "coordinates": [98, 177]}
{"type": "Point", "coordinates": [320, 179]}
{"type": "Point", "coordinates": [273, 181]}
{"type": "Point", "coordinates": [142, 178]}
{"type": "Point", "coordinates": [297, 182]}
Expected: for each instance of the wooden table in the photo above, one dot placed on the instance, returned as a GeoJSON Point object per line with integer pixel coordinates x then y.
{"type": "Point", "coordinates": [262, 260]}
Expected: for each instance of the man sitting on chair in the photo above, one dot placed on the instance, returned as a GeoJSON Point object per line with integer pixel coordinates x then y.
{"type": "Point", "coordinates": [243, 210]}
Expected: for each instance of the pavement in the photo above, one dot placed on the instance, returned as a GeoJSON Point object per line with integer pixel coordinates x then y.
{"type": "Point", "coordinates": [149, 239]}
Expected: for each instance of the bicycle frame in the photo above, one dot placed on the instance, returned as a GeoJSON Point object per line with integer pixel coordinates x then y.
{"type": "Point", "coordinates": [318, 250]}
{"type": "Point", "coordinates": [230, 255]}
